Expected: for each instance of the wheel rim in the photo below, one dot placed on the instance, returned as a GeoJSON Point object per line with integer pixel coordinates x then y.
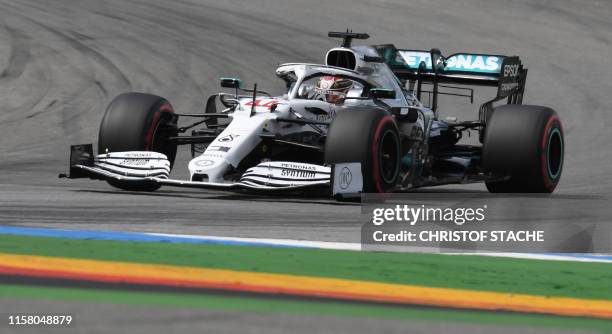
{"type": "Point", "coordinates": [389, 156]}
{"type": "Point", "coordinates": [554, 153]}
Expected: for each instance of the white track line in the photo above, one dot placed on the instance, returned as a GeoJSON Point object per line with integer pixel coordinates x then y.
{"type": "Point", "coordinates": [271, 242]}
{"type": "Point", "coordinates": [357, 247]}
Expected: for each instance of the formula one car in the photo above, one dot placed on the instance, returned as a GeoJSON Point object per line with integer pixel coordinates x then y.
{"type": "Point", "coordinates": [354, 125]}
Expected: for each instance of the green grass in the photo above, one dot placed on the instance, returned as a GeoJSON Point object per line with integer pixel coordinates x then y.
{"type": "Point", "coordinates": [548, 278]}
{"type": "Point", "coordinates": [315, 308]}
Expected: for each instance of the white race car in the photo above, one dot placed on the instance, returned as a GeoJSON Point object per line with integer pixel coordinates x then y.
{"type": "Point", "coordinates": [352, 125]}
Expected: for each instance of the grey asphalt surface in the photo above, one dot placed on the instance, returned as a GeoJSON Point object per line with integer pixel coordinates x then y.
{"type": "Point", "coordinates": [62, 61]}
{"type": "Point", "coordinates": [147, 319]}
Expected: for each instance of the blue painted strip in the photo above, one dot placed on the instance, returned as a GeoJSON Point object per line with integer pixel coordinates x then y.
{"type": "Point", "coordinates": [144, 237]}
{"type": "Point", "coordinates": [126, 236]}
{"type": "Point", "coordinates": [584, 256]}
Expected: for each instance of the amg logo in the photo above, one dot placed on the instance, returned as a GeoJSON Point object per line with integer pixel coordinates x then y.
{"type": "Point", "coordinates": [305, 174]}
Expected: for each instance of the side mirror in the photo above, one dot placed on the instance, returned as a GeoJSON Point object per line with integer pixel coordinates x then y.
{"type": "Point", "coordinates": [231, 83]}
{"type": "Point", "coordinates": [382, 93]}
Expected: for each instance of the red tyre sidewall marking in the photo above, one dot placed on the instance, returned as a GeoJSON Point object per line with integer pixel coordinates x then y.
{"type": "Point", "coordinates": [544, 154]}
{"type": "Point", "coordinates": [154, 123]}
{"type": "Point", "coordinates": [375, 146]}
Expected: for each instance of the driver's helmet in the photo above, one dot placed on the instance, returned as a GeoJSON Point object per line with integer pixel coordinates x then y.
{"type": "Point", "coordinates": [333, 89]}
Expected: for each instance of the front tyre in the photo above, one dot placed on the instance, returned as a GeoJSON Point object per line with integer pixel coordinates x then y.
{"type": "Point", "coordinates": [370, 137]}
{"type": "Point", "coordinates": [138, 122]}
{"type": "Point", "coordinates": [525, 143]}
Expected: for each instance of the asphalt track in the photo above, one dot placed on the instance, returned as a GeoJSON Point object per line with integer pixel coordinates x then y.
{"type": "Point", "coordinates": [146, 319]}
{"type": "Point", "coordinates": [62, 61]}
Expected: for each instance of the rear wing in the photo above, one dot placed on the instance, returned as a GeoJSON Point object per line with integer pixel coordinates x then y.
{"type": "Point", "coordinates": [504, 72]}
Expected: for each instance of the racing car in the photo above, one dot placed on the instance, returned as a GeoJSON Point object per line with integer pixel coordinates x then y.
{"type": "Point", "coordinates": [355, 124]}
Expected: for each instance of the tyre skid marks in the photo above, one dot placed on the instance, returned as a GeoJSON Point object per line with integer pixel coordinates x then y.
{"type": "Point", "coordinates": [19, 56]}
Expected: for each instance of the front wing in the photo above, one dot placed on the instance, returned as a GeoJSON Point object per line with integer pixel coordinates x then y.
{"type": "Point", "coordinates": [153, 167]}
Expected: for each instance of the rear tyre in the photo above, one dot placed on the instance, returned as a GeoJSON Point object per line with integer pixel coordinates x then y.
{"type": "Point", "coordinates": [368, 136]}
{"type": "Point", "coordinates": [526, 144]}
{"type": "Point", "coordinates": [138, 122]}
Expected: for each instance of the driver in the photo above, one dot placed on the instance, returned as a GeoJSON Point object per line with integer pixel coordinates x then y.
{"type": "Point", "coordinates": [333, 89]}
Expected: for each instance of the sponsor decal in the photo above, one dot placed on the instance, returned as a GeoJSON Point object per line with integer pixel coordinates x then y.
{"type": "Point", "coordinates": [212, 155]}
{"type": "Point", "coordinates": [508, 82]}
{"type": "Point", "coordinates": [413, 59]}
{"type": "Point", "coordinates": [345, 178]}
{"type": "Point", "coordinates": [490, 64]}
{"type": "Point", "coordinates": [134, 162]}
{"type": "Point", "coordinates": [511, 70]}
{"type": "Point", "coordinates": [218, 148]}
{"type": "Point", "coordinates": [416, 133]}
{"type": "Point", "coordinates": [132, 155]}
{"type": "Point", "coordinates": [204, 163]}
{"type": "Point", "coordinates": [326, 117]}
{"type": "Point", "coordinates": [306, 174]}
{"type": "Point", "coordinates": [228, 138]}
{"type": "Point", "coordinates": [507, 87]}
{"type": "Point", "coordinates": [298, 166]}
{"type": "Point", "coordinates": [459, 62]}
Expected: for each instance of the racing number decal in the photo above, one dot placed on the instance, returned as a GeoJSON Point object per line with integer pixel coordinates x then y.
{"type": "Point", "coordinates": [264, 103]}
